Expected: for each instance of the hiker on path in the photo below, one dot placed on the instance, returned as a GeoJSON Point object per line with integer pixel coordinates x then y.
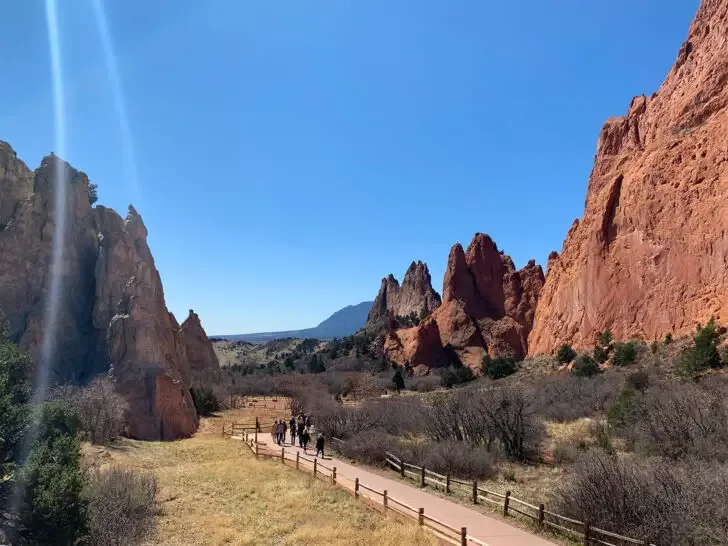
{"type": "Point", "coordinates": [273, 431]}
{"type": "Point", "coordinates": [292, 424]}
{"type": "Point", "coordinates": [280, 431]}
{"type": "Point", "coordinates": [301, 428]}
{"type": "Point", "coordinates": [305, 437]}
{"type": "Point", "coordinates": [307, 421]}
{"type": "Point", "coordinates": [320, 445]}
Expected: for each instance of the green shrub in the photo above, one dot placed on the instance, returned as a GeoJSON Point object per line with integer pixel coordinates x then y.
{"type": "Point", "coordinates": [623, 411]}
{"type": "Point", "coordinates": [457, 375]}
{"type": "Point", "coordinates": [703, 354]}
{"type": "Point", "coordinates": [624, 353]}
{"type": "Point", "coordinates": [605, 338]}
{"type": "Point", "coordinates": [315, 365]}
{"type": "Point", "coordinates": [53, 509]}
{"type": "Point", "coordinates": [206, 403]}
{"type": "Point", "coordinates": [600, 354]}
{"type": "Point", "coordinates": [585, 366]}
{"type": "Point", "coordinates": [668, 339]}
{"type": "Point", "coordinates": [93, 193]}
{"type": "Point", "coordinates": [398, 380]}
{"type": "Point", "coordinates": [498, 368]}
{"type": "Point", "coordinates": [566, 354]}
{"type": "Point", "coordinates": [14, 396]}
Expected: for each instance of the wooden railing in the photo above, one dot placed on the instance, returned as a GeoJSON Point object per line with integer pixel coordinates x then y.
{"type": "Point", "coordinates": [511, 505]}
{"type": "Point", "coordinates": [379, 499]}
{"type": "Point", "coordinates": [239, 428]}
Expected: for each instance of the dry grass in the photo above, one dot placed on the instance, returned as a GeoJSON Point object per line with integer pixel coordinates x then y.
{"type": "Point", "coordinates": [213, 492]}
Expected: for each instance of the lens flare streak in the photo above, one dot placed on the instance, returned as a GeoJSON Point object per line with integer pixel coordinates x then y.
{"type": "Point", "coordinates": [112, 67]}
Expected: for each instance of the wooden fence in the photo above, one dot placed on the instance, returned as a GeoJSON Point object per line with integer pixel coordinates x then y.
{"type": "Point", "coordinates": [511, 505]}
{"type": "Point", "coordinates": [240, 428]}
{"type": "Point", "coordinates": [379, 499]}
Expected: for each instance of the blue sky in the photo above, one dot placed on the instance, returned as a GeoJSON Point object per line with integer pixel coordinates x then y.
{"type": "Point", "coordinates": [285, 156]}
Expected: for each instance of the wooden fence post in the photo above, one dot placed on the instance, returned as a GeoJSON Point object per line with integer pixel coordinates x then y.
{"type": "Point", "coordinates": [298, 457]}
{"type": "Point", "coordinates": [256, 450]}
{"type": "Point", "coordinates": [447, 484]}
{"type": "Point", "coordinates": [463, 536]}
{"type": "Point", "coordinates": [401, 468]}
{"type": "Point", "coordinates": [422, 480]}
{"type": "Point", "coordinates": [314, 467]}
{"type": "Point", "coordinates": [540, 515]}
{"type": "Point", "coordinates": [421, 516]}
{"type": "Point", "coordinates": [475, 491]}
{"type": "Point", "coordinates": [223, 430]}
{"type": "Point", "coordinates": [587, 528]}
{"type": "Point", "coordinates": [506, 502]}
{"type": "Point", "coordinates": [356, 487]}
{"type": "Point", "coordinates": [283, 454]}
{"type": "Point", "coordinates": [384, 500]}
{"type": "Point", "coordinates": [257, 428]}
{"type": "Point", "coordinates": [333, 475]}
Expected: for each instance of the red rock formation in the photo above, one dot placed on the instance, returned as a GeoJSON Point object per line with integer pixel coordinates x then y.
{"type": "Point", "coordinates": [414, 296]}
{"type": "Point", "coordinates": [112, 313]}
{"type": "Point", "coordinates": [487, 306]}
{"type": "Point", "coordinates": [200, 353]}
{"type": "Point", "coordinates": [650, 254]}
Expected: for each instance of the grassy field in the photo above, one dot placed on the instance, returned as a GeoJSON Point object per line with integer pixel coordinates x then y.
{"type": "Point", "coordinates": [213, 492]}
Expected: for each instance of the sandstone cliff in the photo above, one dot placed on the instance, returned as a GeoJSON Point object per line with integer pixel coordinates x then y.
{"type": "Point", "coordinates": [414, 296]}
{"type": "Point", "coordinates": [488, 306]}
{"type": "Point", "coordinates": [113, 317]}
{"type": "Point", "coordinates": [200, 352]}
{"type": "Point", "coordinates": [650, 254]}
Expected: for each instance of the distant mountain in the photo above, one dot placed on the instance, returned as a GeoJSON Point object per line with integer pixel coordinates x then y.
{"type": "Point", "coordinates": [344, 322]}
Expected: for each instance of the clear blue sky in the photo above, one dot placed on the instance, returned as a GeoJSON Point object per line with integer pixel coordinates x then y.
{"type": "Point", "coordinates": [290, 154]}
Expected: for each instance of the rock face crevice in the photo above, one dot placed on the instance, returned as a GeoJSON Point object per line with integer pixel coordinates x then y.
{"type": "Point", "coordinates": [112, 313]}
{"type": "Point", "coordinates": [650, 255]}
{"type": "Point", "coordinates": [488, 307]}
{"type": "Point", "coordinates": [416, 295]}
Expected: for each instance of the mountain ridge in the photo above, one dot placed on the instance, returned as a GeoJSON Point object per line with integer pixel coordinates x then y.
{"type": "Point", "coordinates": [344, 322]}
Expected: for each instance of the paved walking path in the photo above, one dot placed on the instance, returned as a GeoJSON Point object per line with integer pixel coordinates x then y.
{"type": "Point", "coordinates": [485, 528]}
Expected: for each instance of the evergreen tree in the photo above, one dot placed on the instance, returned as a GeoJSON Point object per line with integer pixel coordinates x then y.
{"type": "Point", "coordinates": [398, 380]}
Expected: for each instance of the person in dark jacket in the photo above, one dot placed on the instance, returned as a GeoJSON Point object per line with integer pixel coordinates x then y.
{"type": "Point", "coordinates": [305, 437]}
{"type": "Point", "coordinates": [280, 431]}
{"type": "Point", "coordinates": [301, 428]}
{"type": "Point", "coordinates": [320, 446]}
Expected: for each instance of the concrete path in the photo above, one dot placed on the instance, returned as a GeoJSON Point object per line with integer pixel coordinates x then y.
{"type": "Point", "coordinates": [487, 529]}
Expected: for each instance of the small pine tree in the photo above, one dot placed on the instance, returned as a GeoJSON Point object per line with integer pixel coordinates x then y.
{"type": "Point", "coordinates": [205, 401]}
{"type": "Point", "coordinates": [585, 366]}
{"type": "Point", "coordinates": [624, 353]}
{"type": "Point", "coordinates": [600, 354]}
{"type": "Point", "coordinates": [53, 508]}
{"type": "Point", "coordinates": [315, 365]}
{"type": "Point", "coordinates": [605, 338]}
{"type": "Point", "coordinates": [93, 193]}
{"type": "Point", "coordinates": [566, 354]}
{"type": "Point", "coordinates": [668, 339]}
{"type": "Point", "coordinates": [15, 369]}
{"type": "Point", "coordinates": [703, 355]}
{"type": "Point", "coordinates": [498, 368]}
{"type": "Point", "coordinates": [398, 380]}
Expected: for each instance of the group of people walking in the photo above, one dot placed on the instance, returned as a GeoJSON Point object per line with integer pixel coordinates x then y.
{"type": "Point", "coordinates": [300, 428]}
